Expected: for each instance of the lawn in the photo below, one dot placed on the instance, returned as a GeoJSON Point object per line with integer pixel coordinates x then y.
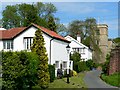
{"type": "Point", "coordinates": [75, 82]}
{"type": "Point", "coordinates": [113, 79]}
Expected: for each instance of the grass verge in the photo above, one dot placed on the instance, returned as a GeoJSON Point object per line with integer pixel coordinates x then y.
{"type": "Point", "coordinates": [75, 82]}
{"type": "Point", "coordinates": [113, 79]}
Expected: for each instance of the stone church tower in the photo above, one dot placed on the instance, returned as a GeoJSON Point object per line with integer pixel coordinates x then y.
{"type": "Point", "coordinates": [103, 41]}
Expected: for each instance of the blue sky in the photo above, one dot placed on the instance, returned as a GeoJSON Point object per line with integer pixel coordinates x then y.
{"type": "Point", "coordinates": [103, 12]}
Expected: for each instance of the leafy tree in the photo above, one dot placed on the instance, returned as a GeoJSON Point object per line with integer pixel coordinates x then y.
{"type": "Point", "coordinates": [28, 14]}
{"type": "Point", "coordinates": [117, 40]}
{"type": "Point", "coordinates": [51, 24]}
{"type": "Point", "coordinates": [89, 34]}
{"type": "Point", "coordinates": [10, 17]}
{"type": "Point", "coordinates": [25, 14]}
{"type": "Point", "coordinates": [39, 48]}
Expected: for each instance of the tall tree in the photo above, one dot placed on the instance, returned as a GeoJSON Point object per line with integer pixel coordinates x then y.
{"type": "Point", "coordinates": [89, 34]}
{"type": "Point", "coordinates": [24, 14]}
{"type": "Point", "coordinates": [39, 48]}
{"type": "Point", "coordinates": [51, 24]}
{"type": "Point", "coordinates": [10, 17]}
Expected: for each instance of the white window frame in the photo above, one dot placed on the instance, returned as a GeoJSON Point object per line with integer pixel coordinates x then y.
{"type": "Point", "coordinates": [57, 64]}
{"type": "Point", "coordinates": [28, 41]}
{"type": "Point", "coordinates": [8, 43]}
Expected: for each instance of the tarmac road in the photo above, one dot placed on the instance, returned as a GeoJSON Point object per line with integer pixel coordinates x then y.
{"type": "Point", "coordinates": [93, 80]}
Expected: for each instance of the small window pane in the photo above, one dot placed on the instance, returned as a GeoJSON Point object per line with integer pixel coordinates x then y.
{"type": "Point", "coordinates": [8, 45]}
{"type": "Point", "coordinates": [11, 44]}
{"type": "Point", "coordinates": [57, 64]}
{"type": "Point", "coordinates": [64, 64]}
{"type": "Point", "coordinates": [4, 44]}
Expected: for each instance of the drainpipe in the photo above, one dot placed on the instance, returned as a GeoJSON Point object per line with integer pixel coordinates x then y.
{"type": "Point", "coordinates": [50, 50]}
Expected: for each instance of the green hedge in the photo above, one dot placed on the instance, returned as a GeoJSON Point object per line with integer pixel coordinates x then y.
{"type": "Point", "coordinates": [52, 72]}
{"type": "Point", "coordinates": [19, 70]}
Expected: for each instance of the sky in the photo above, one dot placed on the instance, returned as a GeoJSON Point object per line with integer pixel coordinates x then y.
{"type": "Point", "coordinates": [104, 12]}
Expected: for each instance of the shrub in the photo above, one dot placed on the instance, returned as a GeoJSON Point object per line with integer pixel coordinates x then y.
{"type": "Point", "coordinates": [52, 72]}
{"type": "Point", "coordinates": [76, 58]}
{"type": "Point", "coordinates": [19, 72]}
{"type": "Point", "coordinates": [82, 66]}
{"type": "Point", "coordinates": [105, 66]}
{"type": "Point", "coordinates": [74, 73]}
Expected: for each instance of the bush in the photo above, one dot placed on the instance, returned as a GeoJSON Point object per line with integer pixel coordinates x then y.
{"type": "Point", "coordinates": [74, 73]}
{"type": "Point", "coordinates": [105, 66]}
{"type": "Point", "coordinates": [19, 70]}
{"type": "Point", "coordinates": [52, 72]}
{"type": "Point", "coordinates": [82, 66]}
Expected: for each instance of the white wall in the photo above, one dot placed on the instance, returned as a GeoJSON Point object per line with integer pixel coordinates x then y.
{"type": "Point", "coordinates": [59, 52]}
{"type": "Point", "coordinates": [75, 44]}
{"type": "Point", "coordinates": [19, 40]}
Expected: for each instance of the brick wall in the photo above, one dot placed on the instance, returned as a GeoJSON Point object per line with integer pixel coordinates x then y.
{"type": "Point", "coordinates": [114, 65]}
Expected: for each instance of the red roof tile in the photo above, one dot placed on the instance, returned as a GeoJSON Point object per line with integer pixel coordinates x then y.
{"type": "Point", "coordinates": [11, 33]}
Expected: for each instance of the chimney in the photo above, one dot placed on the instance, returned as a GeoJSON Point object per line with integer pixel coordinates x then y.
{"type": "Point", "coordinates": [78, 38]}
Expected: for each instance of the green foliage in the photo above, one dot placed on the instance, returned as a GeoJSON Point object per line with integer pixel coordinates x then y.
{"type": "Point", "coordinates": [39, 48]}
{"type": "Point", "coordinates": [19, 72]}
{"type": "Point", "coordinates": [113, 79]}
{"type": "Point", "coordinates": [75, 57]}
{"type": "Point", "coordinates": [89, 34]}
{"type": "Point", "coordinates": [117, 40]}
{"type": "Point", "coordinates": [51, 24]}
{"type": "Point", "coordinates": [25, 14]}
{"type": "Point", "coordinates": [52, 72]}
{"type": "Point", "coordinates": [105, 66]}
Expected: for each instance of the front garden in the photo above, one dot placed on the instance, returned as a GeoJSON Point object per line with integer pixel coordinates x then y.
{"type": "Point", "coordinates": [75, 82]}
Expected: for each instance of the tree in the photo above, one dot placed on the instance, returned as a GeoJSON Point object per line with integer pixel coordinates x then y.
{"type": "Point", "coordinates": [117, 40]}
{"type": "Point", "coordinates": [89, 34]}
{"type": "Point", "coordinates": [40, 50]}
{"type": "Point", "coordinates": [10, 17]}
{"type": "Point", "coordinates": [25, 14]}
{"type": "Point", "coordinates": [51, 24]}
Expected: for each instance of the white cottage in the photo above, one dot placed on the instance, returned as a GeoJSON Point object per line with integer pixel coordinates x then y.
{"type": "Point", "coordinates": [17, 39]}
{"type": "Point", "coordinates": [77, 46]}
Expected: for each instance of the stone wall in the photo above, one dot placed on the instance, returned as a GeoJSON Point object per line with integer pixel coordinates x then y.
{"type": "Point", "coordinates": [114, 65]}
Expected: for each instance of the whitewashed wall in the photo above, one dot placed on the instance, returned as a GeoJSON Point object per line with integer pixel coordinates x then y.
{"type": "Point", "coordinates": [75, 44]}
{"type": "Point", "coordinates": [19, 41]}
{"type": "Point", "coordinates": [59, 52]}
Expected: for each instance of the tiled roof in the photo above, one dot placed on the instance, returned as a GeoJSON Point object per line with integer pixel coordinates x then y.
{"type": "Point", "coordinates": [11, 33]}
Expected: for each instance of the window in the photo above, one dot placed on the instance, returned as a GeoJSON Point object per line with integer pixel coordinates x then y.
{"type": "Point", "coordinates": [64, 64]}
{"type": "Point", "coordinates": [57, 64]}
{"type": "Point", "coordinates": [28, 42]}
{"type": "Point", "coordinates": [8, 44]}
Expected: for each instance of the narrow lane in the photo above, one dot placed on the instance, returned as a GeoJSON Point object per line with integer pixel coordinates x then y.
{"type": "Point", "coordinates": [93, 80]}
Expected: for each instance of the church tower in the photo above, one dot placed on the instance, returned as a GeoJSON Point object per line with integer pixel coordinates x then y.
{"type": "Point", "coordinates": [103, 41]}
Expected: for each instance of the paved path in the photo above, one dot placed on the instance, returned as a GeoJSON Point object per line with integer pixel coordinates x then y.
{"type": "Point", "coordinates": [92, 80]}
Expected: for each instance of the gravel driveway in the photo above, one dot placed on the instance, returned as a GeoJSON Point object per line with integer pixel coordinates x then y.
{"type": "Point", "coordinates": [92, 80]}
